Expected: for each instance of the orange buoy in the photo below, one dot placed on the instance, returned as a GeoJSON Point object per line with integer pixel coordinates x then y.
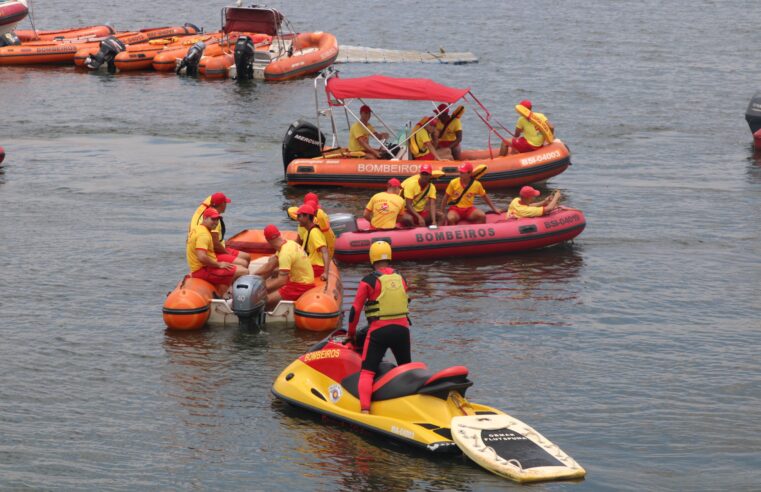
{"type": "Point", "coordinates": [188, 306]}
{"type": "Point", "coordinates": [317, 310]}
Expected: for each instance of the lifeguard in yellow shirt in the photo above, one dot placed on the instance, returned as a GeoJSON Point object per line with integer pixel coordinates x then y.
{"type": "Point", "coordinates": [448, 132]}
{"type": "Point", "coordinates": [219, 201]}
{"type": "Point", "coordinates": [459, 198]}
{"type": "Point", "coordinates": [524, 205]}
{"type": "Point", "coordinates": [527, 137]}
{"type": "Point", "coordinates": [321, 218]}
{"type": "Point", "coordinates": [384, 208]}
{"type": "Point", "coordinates": [295, 275]}
{"type": "Point", "coordinates": [200, 255]}
{"type": "Point", "coordinates": [359, 134]}
{"type": "Point", "coordinates": [313, 241]}
{"type": "Point", "coordinates": [419, 195]}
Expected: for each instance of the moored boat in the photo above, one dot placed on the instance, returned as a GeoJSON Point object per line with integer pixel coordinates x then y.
{"type": "Point", "coordinates": [73, 33]}
{"type": "Point", "coordinates": [311, 159]}
{"type": "Point", "coordinates": [497, 236]}
{"type": "Point", "coordinates": [11, 13]}
{"type": "Point", "coordinates": [422, 408]}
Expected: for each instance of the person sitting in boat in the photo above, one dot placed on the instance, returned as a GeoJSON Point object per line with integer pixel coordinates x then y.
{"type": "Point", "coordinates": [359, 134]}
{"type": "Point", "coordinates": [527, 137]}
{"type": "Point", "coordinates": [384, 208]}
{"type": "Point", "coordinates": [201, 257]}
{"type": "Point", "coordinates": [524, 205]}
{"type": "Point", "coordinates": [219, 201]}
{"type": "Point", "coordinates": [295, 275]}
{"type": "Point", "coordinates": [448, 133]}
{"type": "Point", "coordinates": [421, 143]}
{"type": "Point", "coordinates": [313, 241]}
{"type": "Point", "coordinates": [459, 198]}
{"type": "Point", "coordinates": [383, 296]}
{"type": "Point", "coordinates": [321, 218]}
{"type": "Point", "coordinates": [419, 195]}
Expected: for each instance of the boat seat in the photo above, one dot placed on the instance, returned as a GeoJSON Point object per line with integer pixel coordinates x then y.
{"type": "Point", "coordinates": [446, 380]}
{"type": "Point", "coordinates": [391, 381]}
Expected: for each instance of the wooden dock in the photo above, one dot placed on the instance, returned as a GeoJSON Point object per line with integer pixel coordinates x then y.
{"type": "Point", "coordinates": [360, 54]}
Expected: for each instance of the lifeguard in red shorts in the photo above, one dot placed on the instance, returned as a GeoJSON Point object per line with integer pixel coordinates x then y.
{"type": "Point", "coordinates": [202, 260]}
{"type": "Point", "coordinates": [219, 201]}
{"type": "Point", "coordinates": [295, 275]}
{"type": "Point", "coordinates": [527, 138]}
{"type": "Point", "coordinates": [458, 202]}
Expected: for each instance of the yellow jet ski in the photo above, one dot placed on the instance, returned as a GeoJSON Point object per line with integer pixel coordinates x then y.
{"type": "Point", "coordinates": [415, 405]}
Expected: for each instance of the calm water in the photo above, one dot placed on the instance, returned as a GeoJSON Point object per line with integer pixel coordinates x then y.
{"type": "Point", "coordinates": [635, 348]}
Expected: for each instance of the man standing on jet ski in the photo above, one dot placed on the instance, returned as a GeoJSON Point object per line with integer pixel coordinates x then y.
{"type": "Point", "coordinates": [383, 295]}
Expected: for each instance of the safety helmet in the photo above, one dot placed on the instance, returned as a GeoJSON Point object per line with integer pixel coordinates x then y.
{"type": "Point", "coordinates": [380, 251]}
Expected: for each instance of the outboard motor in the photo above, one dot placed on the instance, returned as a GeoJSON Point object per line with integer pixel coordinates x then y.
{"type": "Point", "coordinates": [302, 140]}
{"type": "Point", "coordinates": [244, 58]}
{"type": "Point", "coordinates": [753, 113]}
{"type": "Point", "coordinates": [109, 48]}
{"type": "Point", "coordinates": [249, 300]}
{"type": "Point", "coordinates": [9, 39]}
{"type": "Point", "coordinates": [191, 60]}
{"type": "Point", "coordinates": [341, 223]}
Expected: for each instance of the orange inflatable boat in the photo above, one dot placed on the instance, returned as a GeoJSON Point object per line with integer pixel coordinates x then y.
{"type": "Point", "coordinates": [310, 53]}
{"type": "Point", "coordinates": [75, 33]}
{"type": "Point", "coordinates": [195, 303]}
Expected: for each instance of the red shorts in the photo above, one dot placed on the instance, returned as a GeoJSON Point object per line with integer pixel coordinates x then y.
{"type": "Point", "coordinates": [463, 213]}
{"type": "Point", "coordinates": [216, 276]}
{"type": "Point", "coordinates": [521, 145]}
{"type": "Point", "coordinates": [445, 144]}
{"type": "Point", "coordinates": [292, 290]}
{"type": "Point", "coordinates": [318, 270]}
{"type": "Point", "coordinates": [427, 157]}
{"type": "Point", "coordinates": [225, 257]}
{"type": "Point", "coordinates": [425, 213]}
{"type": "Point", "coordinates": [232, 252]}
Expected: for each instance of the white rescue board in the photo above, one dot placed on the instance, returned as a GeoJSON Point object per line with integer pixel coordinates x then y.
{"type": "Point", "coordinates": [512, 449]}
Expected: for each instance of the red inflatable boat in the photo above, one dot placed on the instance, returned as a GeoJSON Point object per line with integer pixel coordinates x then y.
{"type": "Point", "coordinates": [498, 235]}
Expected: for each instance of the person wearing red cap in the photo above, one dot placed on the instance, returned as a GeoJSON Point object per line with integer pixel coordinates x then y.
{"type": "Point", "coordinates": [295, 274]}
{"type": "Point", "coordinates": [384, 208]}
{"type": "Point", "coordinates": [524, 206]}
{"type": "Point", "coordinates": [359, 134]}
{"type": "Point", "coordinates": [527, 136]}
{"type": "Point", "coordinates": [202, 260]}
{"type": "Point", "coordinates": [459, 198]}
{"type": "Point", "coordinates": [219, 201]}
{"type": "Point", "coordinates": [313, 241]}
{"type": "Point", "coordinates": [448, 133]}
{"type": "Point", "coordinates": [422, 138]}
{"type": "Point", "coordinates": [420, 199]}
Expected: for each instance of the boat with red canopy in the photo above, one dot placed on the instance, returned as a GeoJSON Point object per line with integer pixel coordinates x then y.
{"type": "Point", "coordinates": [311, 159]}
{"type": "Point", "coordinates": [11, 13]}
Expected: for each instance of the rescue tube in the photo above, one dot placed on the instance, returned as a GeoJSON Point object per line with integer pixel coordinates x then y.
{"type": "Point", "coordinates": [78, 32]}
{"type": "Point", "coordinates": [188, 306]}
{"type": "Point", "coordinates": [312, 52]}
{"type": "Point", "coordinates": [540, 125]}
{"type": "Point", "coordinates": [498, 235]}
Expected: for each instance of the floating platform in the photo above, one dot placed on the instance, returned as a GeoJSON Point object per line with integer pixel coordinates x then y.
{"type": "Point", "coordinates": [360, 54]}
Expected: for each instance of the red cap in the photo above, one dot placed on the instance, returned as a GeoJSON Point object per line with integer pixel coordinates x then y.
{"type": "Point", "coordinates": [307, 208]}
{"type": "Point", "coordinates": [442, 108]}
{"type": "Point", "coordinates": [219, 198]}
{"type": "Point", "coordinates": [365, 109]}
{"type": "Point", "coordinates": [529, 192]}
{"type": "Point", "coordinates": [211, 212]}
{"type": "Point", "coordinates": [271, 232]}
{"type": "Point", "coordinates": [466, 167]}
{"type": "Point", "coordinates": [394, 183]}
{"type": "Point", "coordinates": [526, 103]}
{"type": "Point", "coordinates": [313, 204]}
{"type": "Point", "coordinates": [426, 168]}
{"type": "Point", "coordinates": [311, 197]}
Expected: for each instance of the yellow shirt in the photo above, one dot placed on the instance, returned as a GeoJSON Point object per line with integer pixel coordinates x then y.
{"type": "Point", "coordinates": [411, 190]}
{"type": "Point", "coordinates": [200, 238]}
{"type": "Point", "coordinates": [530, 132]}
{"type": "Point", "coordinates": [421, 138]}
{"type": "Point", "coordinates": [316, 241]}
{"type": "Point", "coordinates": [323, 220]}
{"type": "Point", "coordinates": [451, 134]}
{"type": "Point", "coordinates": [455, 189]}
{"type": "Point", "coordinates": [197, 219]}
{"type": "Point", "coordinates": [357, 131]}
{"type": "Point", "coordinates": [385, 208]}
{"type": "Point", "coordinates": [520, 210]}
{"type": "Point", "coordinates": [293, 259]}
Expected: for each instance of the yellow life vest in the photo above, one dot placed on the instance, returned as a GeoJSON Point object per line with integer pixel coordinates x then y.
{"type": "Point", "coordinates": [392, 302]}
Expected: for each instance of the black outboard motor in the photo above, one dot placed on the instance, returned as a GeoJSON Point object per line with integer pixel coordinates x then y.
{"type": "Point", "coordinates": [753, 113]}
{"type": "Point", "coordinates": [341, 223]}
{"type": "Point", "coordinates": [244, 58]}
{"type": "Point", "coordinates": [192, 59]}
{"type": "Point", "coordinates": [9, 39]}
{"type": "Point", "coordinates": [302, 140]}
{"type": "Point", "coordinates": [109, 48]}
{"type": "Point", "coordinates": [249, 300]}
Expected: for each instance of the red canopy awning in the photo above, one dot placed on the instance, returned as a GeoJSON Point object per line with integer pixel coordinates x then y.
{"type": "Point", "coordinates": [382, 87]}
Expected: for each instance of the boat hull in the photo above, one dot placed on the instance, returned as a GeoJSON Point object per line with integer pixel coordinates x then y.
{"type": "Point", "coordinates": [11, 13]}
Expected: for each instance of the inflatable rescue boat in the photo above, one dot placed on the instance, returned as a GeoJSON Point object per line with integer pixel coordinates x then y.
{"type": "Point", "coordinates": [195, 303]}
{"type": "Point", "coordinates": [311, 159]}
{"type": "Point", "coordinates": [73, 33]}
{"type": "Point", "coordinates": [497, 236]}
{"type": "Point", "coordinates": [424, 408]}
